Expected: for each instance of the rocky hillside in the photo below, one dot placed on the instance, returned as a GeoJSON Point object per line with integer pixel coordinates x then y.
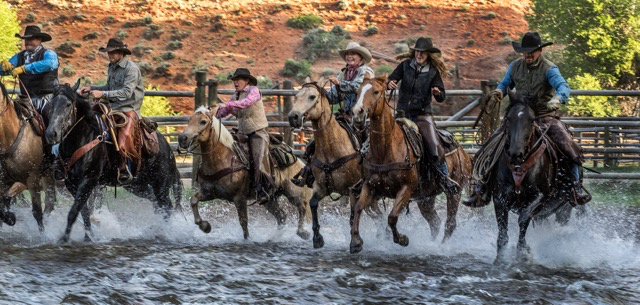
{"type": "Point", "coordinates": [173, 38]}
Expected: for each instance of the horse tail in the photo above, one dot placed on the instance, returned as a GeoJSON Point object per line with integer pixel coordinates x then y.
{"type": "Point", "coordinates": [176, 189]}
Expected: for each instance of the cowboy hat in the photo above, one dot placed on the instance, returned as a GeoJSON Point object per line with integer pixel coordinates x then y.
{"type": "Point", "coordinates": [246, 74]}
{"type": "Point", "coordinates": [426, 45]}
{"type": "Point", "coordinates": [32, 31]}
{"type": "Point", "coordinates": [530, 42]}
{"type": "Point", "coordinates": [115, 44]}
{"type": "Point", "coordinates": [356, 48]}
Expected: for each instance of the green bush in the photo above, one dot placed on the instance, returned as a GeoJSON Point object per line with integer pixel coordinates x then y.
{"type": "Point", "coordinates": [109, 20]}
{"type": "Point", "coordinates": [29, 18]}
{"type": "Point", "coordinates": [80, 17]}
{"type": "Point", "coordinates": [384, 69]}
{"type": "Point", "coordinates": [175, 45]}
{"type": "Point", "coordinates": [223, 78]}
{"type": "Point", "coordinates": [591, 105]}
{"type": "Point", "coordinates": [305, 22]}
{"type": "Point", "coordinates": [89, 36]}
{"type": "Point", "coordinates": [372, 30]}
{"type": "Point", "coordinates": [296, 69]}
{"type": "Point", "coordinates": [152, 31]}
{"type": "Point", "coordinates": [145, 68]}
{"type": "Point", "coordinates": [168, 55]}
{"type": "Point", "coordinates": [122, 34]}
{"type": "Point", "coordinates": [68, 71]}
{"type": "Point", "coordinates": [162, 70]}
{"type": "Point", "coordinates": [141, 49]}
{"type": "Point", "coordinates": [400, 48]}
{"type": "Point", "coordinates": [264, 82]}
{"type": "Point", "coordinates": [156, 105]}
{"type": "Point", "coordinates": [491, 15]}
{"type": "Point", "coordinates": [319, 43]}
{"type": "Point", "coordinates": [8, 27]}
{"type": "Point", "coordinates": [328, 72]}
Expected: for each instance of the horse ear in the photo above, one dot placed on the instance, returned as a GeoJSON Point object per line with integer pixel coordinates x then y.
{"type": "Point", "coordinates": [511, 94]}
{"type": "Point", "coordinates": [77, 85]}
{"type": "Point", "coordinates": [307, 80]}
{"type": "Point", "coordinates": [322, 81]}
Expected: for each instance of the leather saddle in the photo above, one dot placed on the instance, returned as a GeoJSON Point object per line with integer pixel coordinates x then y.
{"type": "Point", "coordinates": [25, 109]}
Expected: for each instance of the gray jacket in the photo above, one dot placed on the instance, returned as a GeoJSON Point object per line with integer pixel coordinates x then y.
{"type": "Point", "coordinates": [125, 86]}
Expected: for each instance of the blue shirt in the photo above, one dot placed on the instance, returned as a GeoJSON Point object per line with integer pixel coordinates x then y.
{"type": "Point", "coordinates": [48, 63]}
{"type": "Point", "coordinates": [554, 78]}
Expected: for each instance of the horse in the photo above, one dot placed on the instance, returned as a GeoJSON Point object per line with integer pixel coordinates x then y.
{"type": "Point", "coordinates": [391, 168]}
{"type": "Point", "coordinates": [525, 179]}
{"type": "Point", "coordinates": [83, 139]}
{"type": "Point", "coordinates": [336, 163]}
{"type": "Point", "coordinates": [23, 164]}
{"type": "Point", "coordinates": [223, 175]}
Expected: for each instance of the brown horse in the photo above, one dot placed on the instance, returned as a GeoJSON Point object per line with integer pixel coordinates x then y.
{"type": "Point", "coordinates": [22, 163]}
{"type": "Point", "coordinates": [391, 168]}
{"type": "Point", "coordinates": [222, 175]}
{"type": "Point", "coordinates": [336, 162]}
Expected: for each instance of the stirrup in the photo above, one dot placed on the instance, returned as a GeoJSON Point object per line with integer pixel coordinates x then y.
{"type": "Point", "coordinates": [128, 179]}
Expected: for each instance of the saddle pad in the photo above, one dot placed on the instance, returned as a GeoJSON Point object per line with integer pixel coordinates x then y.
{"type": "Point", "coordinates": [284, 157]}
{"type": "Point", "coordinates": [353, 135]}
{"type": "Point", "coordinates": [413, 138]}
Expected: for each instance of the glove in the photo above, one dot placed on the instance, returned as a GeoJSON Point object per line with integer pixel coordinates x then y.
{"type": "Point", "coordinates": [497, 93]}
{"type": "Point", "coordinates": [17, 71]}
{"type": "Point", "coordinates": [553, 103]}
{"type": "Point", "coordinates": [6, 66]}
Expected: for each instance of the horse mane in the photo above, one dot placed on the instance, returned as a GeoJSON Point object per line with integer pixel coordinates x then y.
{"type": "Point", "coordinates": [225, 136]}
{"type": "Point", "coordinates": [83, 105]}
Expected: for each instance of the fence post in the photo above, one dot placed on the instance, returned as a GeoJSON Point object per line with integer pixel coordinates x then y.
{"type": "Point", "coordinates": [200, 100]}
{"type": "Point", "coordinates": [492, 115]}
{"type": "Point", "coordinates": [286, 107]}
{"type": "Point", "coordinates": [212, 96]}
{"type": "Point", "coordinates": [607, 141]}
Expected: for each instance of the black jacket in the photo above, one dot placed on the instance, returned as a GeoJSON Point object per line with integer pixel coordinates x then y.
{"type": "Point", "coordinates": [38, 84]}
{"type": "Point", "coordinates": [415, 89]}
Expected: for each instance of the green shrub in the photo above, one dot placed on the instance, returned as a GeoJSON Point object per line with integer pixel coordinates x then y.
{"type": "Point", "coordinates": [162, 70]}
{"type": "Point", "coordinates": [175, 45]}
{"type": "Point", "coordinates": [80, 17]}
{"type": "Point", "coordinates": [29, 18]}
{"type": "Point", "coordinates": [491, 15]}
{"type": "Point", "coordinates": [327, 72]}
{"type": "Point", "coordinates": [146, 20]}
{"type": "Point", "coordinates": [372, 30]}
{"type": "Point", "coordinates": [168, 55]}
{"type": "Point", "coordinates": [141, 49]}
{"type": "Point", "coordinates": [349, 17]}
{"type": "Point", "coordinates": [109, 20]}
{"type": "Point", "coordinates": [280, 7]}
{"type": "Point", "coordinates": [305, 22]}
{"type": "Point", "coordinates": [145, 68]}
{"type": "Point", "coordinates": [400, 48]}
{"type": "Point", "coordinates": [384, 69]}
{"type": "Point", "coordinates": [319, 43]}
{"type": "Point", "coordinates": [343, 4]}
{"type": "Point", "coordinates": [89, 36]}
{"type": "Point", "coordinates": [591, 105]}
{"type": "Point", "coordinates": [177, 35]}
{"type": "Point", "coordinates": [152, 31]}
{"type": "Point", "coordinates": [470, 42]}
{"type": "Point", "coordinates": [264, 82]}
{"type": "Point", "coordinates": [8, 27]}
{"type": "Point", "coordinates": [68, 71]}
{"type": "Point", "coordinates": [156, 105]}
{"type": "Point", "coordinates": [296, 69]}
{"type": "Point", "coordinates": [507, 40]}
{"type": "Point", "coordinates": [122, 34]}
{"type": "Point", "coordinates": [223, 78]}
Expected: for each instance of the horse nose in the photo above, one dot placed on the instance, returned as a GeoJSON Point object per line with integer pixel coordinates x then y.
{"type": "Point", "coordinates": [182, 140]}
{"type": "Point", "coordinates": [517, 157]}
{"type": "Point", "coordinates": [294, 119]}
{"type": "Point", "coordinates": [51, 136]}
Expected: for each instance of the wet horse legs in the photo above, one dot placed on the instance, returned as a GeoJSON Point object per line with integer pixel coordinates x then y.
{"type": "Point", "coordinates": [318, 240]}
{"type": "Point", "coordinates": [202, 224]}
{"type": "Point", "coordinates": [401, 202]}
{"type": "Point", "coordinates": [366, 197]}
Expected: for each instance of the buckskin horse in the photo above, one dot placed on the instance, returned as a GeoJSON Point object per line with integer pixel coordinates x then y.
{"type": "Point", "coordinates": [224, 173]}
{"type": "Point", "coordinates": [90, 160]}
{"type": "Point", "coordinates": [525, 179]}
{"type": "Point", "coordinates": [391, 168]}
{"type": "Point", "coordinates": [22, 162]}
{"type": "Point", "coordinates": [336, 162]}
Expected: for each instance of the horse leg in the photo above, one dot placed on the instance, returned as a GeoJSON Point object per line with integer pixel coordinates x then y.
{"type": "Point", "coordinates": [274, 209]}
{"type": "Point", "coordinates": [49, 185]}
{"type": "Point", "coordinates": [79, 203]}
{"type": "Point", "coordinates": [318, 240]}
{"type": "Point", "coordinates": [366, 197]}
{"type": "Point", "coordinates": [563, 214]}
{"type": "Point", "coordinates": [502, 218]}
{"type": "Point", "coordinates": [301, 207]}
{"type": "Point", "coordinates": [36, 209]}
{"type": "Point", "coordinates": [523, 249]}
{"type": "Point", "coordinates": [202, 224]}
{"type": "Point", "coordinates": [86, 218]}
{"type": "Point", "coordinates": [401, 202]}
{"type": "Point", "coordinates": [161, 193]}
{"type": "Point", "coordinates": [241, 207]}
{"type": "Point", "coordinates": [428, 211]}
{"type": "Point", "coordinates": [453, 202]}
{"type": "Point", "coordinates": [5, 215]}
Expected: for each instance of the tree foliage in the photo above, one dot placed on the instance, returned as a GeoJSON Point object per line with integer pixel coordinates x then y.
{"type": "Point", "coordinates": [8, 28]}
{"type": "Point", "coordinates": [597, 106]}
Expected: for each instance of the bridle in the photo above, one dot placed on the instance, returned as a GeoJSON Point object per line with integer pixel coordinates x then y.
{"type": "Point", "coordinates": [382, 97]}
{"type": "Point", "coordinates": [323, 95]}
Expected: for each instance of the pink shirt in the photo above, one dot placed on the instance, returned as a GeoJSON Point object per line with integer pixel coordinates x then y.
{"type": "Point", "coordinates": [234, 104]}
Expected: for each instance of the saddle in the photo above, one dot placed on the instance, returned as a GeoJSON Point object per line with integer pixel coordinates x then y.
{"type": "Point", "coordinates": [141, 136]}
{"type": "Point", "coordinates": [280, 153]}
{"type": "Point", "coordinates": [413, 137]}
{"type": "Point", "coordinates": [25, 109]}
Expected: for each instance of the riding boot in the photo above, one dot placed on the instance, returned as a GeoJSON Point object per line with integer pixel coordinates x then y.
{"type": "Point", "coordinates": [580, 197]}
{"type": "Point", "coordinates": [260, 181]}
{"type": "Point", "coordinates": [479, 198]}
{"type": "Point", "coordinates": [305, 176]}
{"type": "Point", "coordinates": [445, 181]}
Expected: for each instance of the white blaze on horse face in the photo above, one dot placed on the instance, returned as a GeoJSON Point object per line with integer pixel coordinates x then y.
{"type": "Point", "coordinates": [520, 114]}
{"type": "Point", "coordinates": [358, 107]}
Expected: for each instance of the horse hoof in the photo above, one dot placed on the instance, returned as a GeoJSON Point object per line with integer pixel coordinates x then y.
{"type": "Point", "coordinates": [88, 239]}
{"type": "Point", "coordinates": [64, 239]}
{"type": "Point", "coordinates": [304, 235]}
{"type": "Point", "coordinates": [403, 240]}
{"type": "Point", "coordinates": [10, 219]}
{"type": "Point", "coordinates": [318, 242]}
{"type": "Point", "coordinates": [205, 227]}
{"type": "Point", "coordinates": [356, 245]}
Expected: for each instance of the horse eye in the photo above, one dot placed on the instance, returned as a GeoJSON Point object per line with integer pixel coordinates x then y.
{"type": "Point", "coordinates": [376, 92]}
{"type": "Point", "coordinates": [203, 122]}
{"type": "Point", "coordinates": [312, 97]}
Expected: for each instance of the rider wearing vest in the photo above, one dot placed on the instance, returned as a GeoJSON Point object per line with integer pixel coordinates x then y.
{"type": "Point", "coordinates": [36, 67]}
{"type": "Point", "coordinates": [124, 91]}
{"type": "Point", "coordinates": [421, 76]}
{"type": "Point", "coordinates": [534, 75]}
{"type": "Point", "coordinates": [246, 105]}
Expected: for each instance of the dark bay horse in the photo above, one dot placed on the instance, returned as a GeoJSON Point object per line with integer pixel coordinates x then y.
{"type": "Point", "coordinates": [22, 163]}
{"type": "Point", "coordinates": [222, 174]}
{"type": "Point", "coordinates": [391, 168]}
{"type": "Point", "coordinates": [526, 179]}
{"type": "Point", "coordinates": [336, 163]}
{"type": "Point", "coordinates": [74, 124]}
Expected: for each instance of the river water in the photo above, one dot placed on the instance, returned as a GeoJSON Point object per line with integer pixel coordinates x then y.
{"type": "Point", "coordinates": [139, 258]}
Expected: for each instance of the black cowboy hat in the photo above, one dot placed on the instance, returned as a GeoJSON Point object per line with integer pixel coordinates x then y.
{"type": "Point", "coordinates": [32, 31]}
{"type": "Point", "coordinates": [425, 44]}
{"type": "Point", "coordinates": [115, 44]}
{"type": "Point", "coordinates": [530, 42]}
{"type": "Point", "coordinates": [245, 73]}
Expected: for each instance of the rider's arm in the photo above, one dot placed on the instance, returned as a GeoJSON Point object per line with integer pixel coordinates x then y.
{"type": "Point", "coordinates": [14, 62]}
{"type": "Point", "coordinates": [131, 79]}
{"type": "Point", "coordinates": [438, 83]}
{"type": "Point", "coordinates": [556, 80]}
{"type": "Point", "coordinates": [353, 85]}
{"type": "Point", "coordinates": [397, 73]}
{"type": "Point", "coordinates": [252, 97]}
{"type": "Point", "coordinates": [506, 81]}
{"type": "Point", "coordinates": [48, 63]}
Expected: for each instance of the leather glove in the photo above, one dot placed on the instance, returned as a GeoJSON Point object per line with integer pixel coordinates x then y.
{"type": "Point", "coordinates": [553, 103]}
{"type": "Point", "coordinates": [6, 66]}
{"type": "Point", "coordinates": [17, 71]}
{"type": "Point", "coordinates": [497, 93]}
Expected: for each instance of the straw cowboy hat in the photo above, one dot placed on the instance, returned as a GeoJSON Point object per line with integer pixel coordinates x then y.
{"type": "Point", "coordinates": [356, 48]}
{"type": "Point", "coordinates": [245, 73]}
{"type": "Point", "coordinates": [115, 44]}
{"type": "Point", "coordinates": [530, 42]}
{"type": "Point", "coordinates": [32, 31]}
{"type": "Point", "coordinates": [425, 44]}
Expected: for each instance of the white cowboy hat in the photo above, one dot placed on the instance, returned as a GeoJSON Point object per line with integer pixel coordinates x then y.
{"type": "Point", "coordinates": [356, 48]}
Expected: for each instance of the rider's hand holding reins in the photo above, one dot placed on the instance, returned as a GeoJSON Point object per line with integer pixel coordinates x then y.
{"type": "Point", "coordinates": [17, 71]}
{"type": "Point", "coordinates": [334, 80]}
{"type": "Point", "coordinates": [392, 84]}
{"type": "Point", "coordinates": [554, 103]}
{"type": "Point", "coordinates": [6, 66]}
{"type": "Point", "coordinates": [497, 93]}
{"type": "Point", "coordinates": [435, 91]}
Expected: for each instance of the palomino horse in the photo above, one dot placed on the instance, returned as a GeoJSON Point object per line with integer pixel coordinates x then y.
{"type": "Point", "coordinates": [336, 163]}
{"type": "Point", "coordinates": [391, 168]}
{"type": "Point", "coordinates": [525, 179]}
{"type": "Point", "coordinates": [22, 163]}
{"type": "Point", "coordinates": [222, 174]}
{"type": "Point", "coordinates": [90, 160]}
